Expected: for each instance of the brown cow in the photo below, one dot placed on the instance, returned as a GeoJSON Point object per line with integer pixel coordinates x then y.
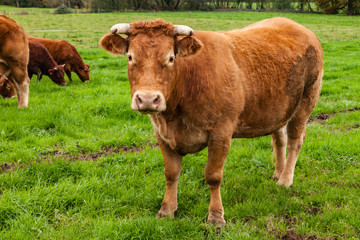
{"type": "Point", "coordinates": [7, 89]}
{"type": "Point", "coordinates": [65, 53]}
{"type": "Point", "coordinates": [14, 53]}
{"type": "Point", "coordinates": [208, 87]}
{"type": "Point", "coordinates": [42, 63]}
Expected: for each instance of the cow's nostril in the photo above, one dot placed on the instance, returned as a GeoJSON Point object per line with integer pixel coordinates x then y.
{"type": "Point", "coordinates": [157, 100]}
{"type": "Point", "coordinates": [138, 99]}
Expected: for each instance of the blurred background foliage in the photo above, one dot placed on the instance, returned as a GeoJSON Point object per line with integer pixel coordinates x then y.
{"type": "Point", "coordinates": [350, 7]}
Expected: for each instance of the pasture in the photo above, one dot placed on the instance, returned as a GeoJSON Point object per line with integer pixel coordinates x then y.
{"type": "Point", "coordinates": [78, 163]}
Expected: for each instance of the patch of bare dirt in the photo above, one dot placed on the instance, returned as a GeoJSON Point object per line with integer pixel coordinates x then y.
{"type": "Point", "coordinates": [353, 127]}
{"type": "Point", "coordinates": [7, 166]}
{"type": "Point", "coordinates": [103, 152]}
{"type": "Point", "coordinates": [321, 118]}
{"type": "Point", "coordinates": [312, 210]}
{"type": "Point", "coordinates": [292, 235]}
{"type": "Point", "coordinates": [324, 116]}
{"type": "Point", "coordinates": [290, 221]}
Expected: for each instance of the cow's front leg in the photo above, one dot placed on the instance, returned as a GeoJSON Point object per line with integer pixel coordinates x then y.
{"type": "Point", "coordinates": [218, 150]}
{"type": "Point", "coordinates": [172, 171]}
{"type": "Point", "coordinates": [68, 74]}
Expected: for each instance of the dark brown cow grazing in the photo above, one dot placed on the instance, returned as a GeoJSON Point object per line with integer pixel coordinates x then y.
{"type": "Point", "coordinates": [7, 89]}
{"type": "Point", "coordinates": [208, 87]}
{"type": "Point", "coordinates": [14, 54]}
{"type": "Point", "coordinates": [42, 63]}
{"type": "Point", "coordinates": [65, 53]}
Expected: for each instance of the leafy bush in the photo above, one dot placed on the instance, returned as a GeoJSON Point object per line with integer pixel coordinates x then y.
{"type": "Point", "coordinates": [282, 4]}
{"type": "Point", "coordinates": [62, 9]}
{"type": "Point", "coordinates": [351, 7]}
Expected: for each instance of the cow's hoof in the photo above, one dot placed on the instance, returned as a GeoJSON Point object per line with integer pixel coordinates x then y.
{"type": "Point", "coordinates": [165, 213]}
{"type": "Point", "coordinates": [276, 175]}
{"type": "Point", "coordinates": [218, 222]}
{"type": "Point", "coordinates": [283, 182]}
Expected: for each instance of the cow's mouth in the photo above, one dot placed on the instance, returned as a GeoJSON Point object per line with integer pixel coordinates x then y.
{"type": "Point", "coordinates": [148, 111]}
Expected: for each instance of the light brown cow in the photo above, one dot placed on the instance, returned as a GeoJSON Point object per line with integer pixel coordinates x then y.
{"type": "Point", "coordinates": [209, 87]}
{"type": "Point", "coordinates": [14, 53]}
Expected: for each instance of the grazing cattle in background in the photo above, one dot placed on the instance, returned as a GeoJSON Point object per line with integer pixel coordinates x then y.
{"type": "Point", "coordinates": [42, 63]}
{"type": "Point", "coordinates": [209, 87]}
{"type": "Point", "coordinates": [14, 54]}
{"type": "Point", "coordinates": [65, 53]}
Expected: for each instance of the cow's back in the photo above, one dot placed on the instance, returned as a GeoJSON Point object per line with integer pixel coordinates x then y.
{"type": "Point", "coordinates": [56, 48]}
{"type": "Point", "coordinates": [62, 51]}
{"type": "Point", "coordinates": [13, 40]}
{"type": "Point", "coordinates": [256, 75]}
{"type": "Point", "coordinates": [279, 59]}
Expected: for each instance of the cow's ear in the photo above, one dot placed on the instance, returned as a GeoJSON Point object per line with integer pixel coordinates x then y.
{"type": "Point", "coordinates": [188, 46]}
{"type": "Point", "coordinates": [114, 44]}
{"type": "Point", "coordinates": [51, 72]}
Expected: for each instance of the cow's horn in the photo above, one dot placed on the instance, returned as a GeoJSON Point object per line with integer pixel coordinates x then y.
{"type": "Point", "coordinates": [120, 28]}
{"type": "Point", "coordinates": [183, 30]}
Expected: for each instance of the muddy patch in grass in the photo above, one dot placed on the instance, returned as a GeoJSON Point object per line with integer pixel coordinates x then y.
{"type": "Point", "coordinates": [312, 210]}
{"type": "Point", "coordinates": [353, 127]}
{"type": "Point", "coordinates": [103, 152]}
{"type": "Point", "coordinates": [292, 235]}
{"type": "Point", "coordinates": [7, 166]}
{"type": "Point", "coordinates": [321, 118]}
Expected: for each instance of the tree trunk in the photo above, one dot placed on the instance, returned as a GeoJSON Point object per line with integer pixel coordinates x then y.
{"type": "Point", "coordinates": [309, 5]}
{"type": "Point", "coordinates": [350, 7]}
{"type": "Point", "coordinates": [301, 5]}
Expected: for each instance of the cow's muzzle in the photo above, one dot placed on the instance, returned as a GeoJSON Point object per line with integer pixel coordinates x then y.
{"type": "Point", "coordinates": [148, 102]}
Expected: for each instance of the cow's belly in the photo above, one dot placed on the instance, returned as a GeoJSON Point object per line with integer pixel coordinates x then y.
{"type": "Point", "coordinates": [262, 123]}
{"type": "Point", "coordinates": [182, 138]}
{"type": "Point", "coordinates": [249, 132]}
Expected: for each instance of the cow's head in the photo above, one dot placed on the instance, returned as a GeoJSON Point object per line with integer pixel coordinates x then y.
{"type": "Point", "coordinates": [152, 48]}
{"type": "Point", "coordinates": [83, 72]}
{"type": "Point", "coordinates": [7, 89]}
{"type": "Point", "coordinates": [56, 74]}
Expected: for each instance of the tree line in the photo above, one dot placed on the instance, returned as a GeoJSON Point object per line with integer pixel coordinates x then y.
{"type": "Point", "coordinates": [350, 7]}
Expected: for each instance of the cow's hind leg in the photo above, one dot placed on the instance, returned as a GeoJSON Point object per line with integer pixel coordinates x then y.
{"type": "Point", "coordinates": [296, 131]}
{"type": "Point", "coordinates": [20, 79]}
{"type": "Point", "coordinates": [279, 140]}
{"type": "Point", "coordinates": [172, 171]}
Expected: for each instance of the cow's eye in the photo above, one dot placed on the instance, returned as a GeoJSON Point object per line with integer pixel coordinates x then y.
{"type": "Point", "coordinates": [129, 57]}
{"type": "Point", "coordinates": [171, 59]}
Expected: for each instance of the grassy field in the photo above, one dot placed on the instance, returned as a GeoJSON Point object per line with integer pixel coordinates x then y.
{"type": "Point", "coordinates": [78, 163]}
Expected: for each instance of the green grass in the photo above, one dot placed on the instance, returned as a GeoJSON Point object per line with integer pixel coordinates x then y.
{"type": "Point", "coordinates": [55, 192]}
